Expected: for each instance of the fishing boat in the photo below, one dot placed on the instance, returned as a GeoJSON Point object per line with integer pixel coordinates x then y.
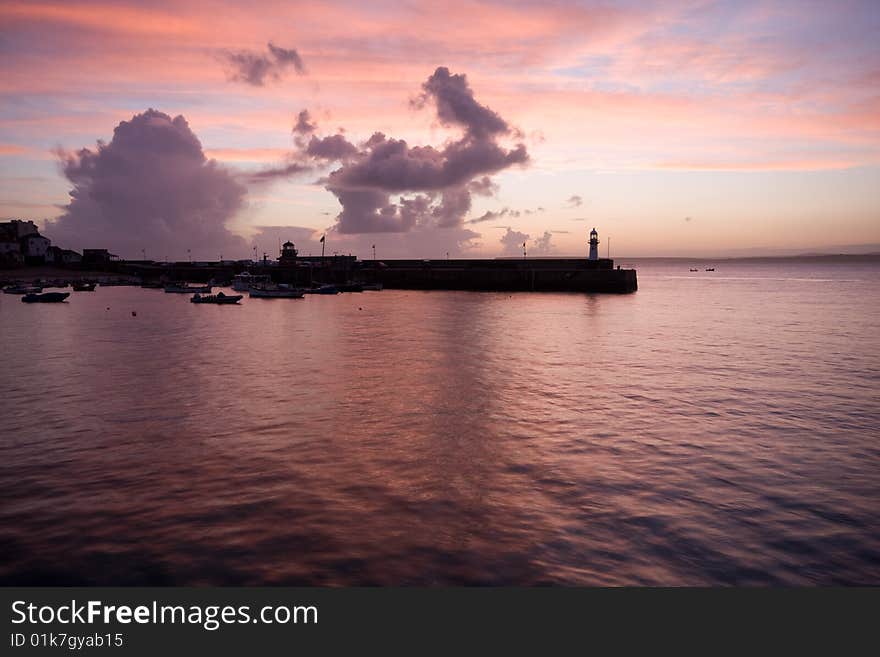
{"type": "Point", "coordinates": [245, 280]}
{"type": "Point", "coordinates": [375, 287]}
{"type": "Point", "coordinates": [183, 288]}
{"type": "Point", "coordinates": [350, 287]}
{"type": "Point", "coordinates": [275, 292]}
{"type": "Point", "coordinates": [83, 287]}
{"type": "Point", "coordinates": [695, 270]}
{"type": "Point", "coordinates": [48, 297]}
{"type": "Point", "coordinates": [710, 268]}
{"type": "Point", "coordinates": [218, 298]}
{"type": "Point", "coordinates": [22, 289]}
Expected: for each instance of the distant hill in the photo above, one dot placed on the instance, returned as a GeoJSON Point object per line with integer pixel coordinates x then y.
{"type": "Point", "coordinates": [846, 252]}
{"type": "Point", "coordinates": [804, 257]}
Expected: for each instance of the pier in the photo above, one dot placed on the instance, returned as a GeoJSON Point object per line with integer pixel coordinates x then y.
{"type": "Point", "coordinates": [503, 274]}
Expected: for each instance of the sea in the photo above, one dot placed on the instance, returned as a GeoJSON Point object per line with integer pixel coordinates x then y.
{"type": "Point", "coordinates": [714, 428]}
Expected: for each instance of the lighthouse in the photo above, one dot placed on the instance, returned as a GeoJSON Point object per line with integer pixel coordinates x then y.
{"type": "Point", "coordinates": [288, 253]}
{"type": "Point", "coordinates": [594, 245]}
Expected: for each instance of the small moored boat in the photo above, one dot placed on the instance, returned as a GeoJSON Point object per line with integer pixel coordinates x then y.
{"type": "Point", "coordinates": [275, 292]}
{"type": "Point", "coordinates": [218, 298]}
{"type": "Point", "coordinates": [48, 297]}
{"type": "Point", "coordinates": [83, 287]}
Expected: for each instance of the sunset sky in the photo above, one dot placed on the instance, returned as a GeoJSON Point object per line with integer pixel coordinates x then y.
{"type": "Point", "coordinates": [674, 128]}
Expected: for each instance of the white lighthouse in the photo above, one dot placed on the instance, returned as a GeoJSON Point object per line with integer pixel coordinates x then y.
{"type": "Point", "coordinates": [594, 245]}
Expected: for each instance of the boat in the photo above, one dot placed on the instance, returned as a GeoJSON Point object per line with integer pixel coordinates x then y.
{"type": "Point", "coordinates": [275, 292]}
{"type": "Point", "coordinates": [153, 284]}
{"type": "Point", "coordinates": [323, 289]}
{"type": "Point", "coordinates": [218, 298]}
{"type": "Point", "coordinates": [242, 282]}
{"type": "Point", "coordinates": [83, 287]}
{"type": "Point", "coordinates": [183, 288]}
{"type": "Point", "coordinates": [48, 297]}
{"type": "Point", "coordinates": [710, 268]}
{"type": "Point", "coordinates": [695, 270]}
{"type": "Point", "coordinates": [375, 287]}
{"type": "Point", "coordinates": [22, 289]}
{"type": "Point", "coordinates": [350, 287]}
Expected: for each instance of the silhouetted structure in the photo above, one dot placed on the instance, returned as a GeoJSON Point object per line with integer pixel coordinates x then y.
{"type": "Point", "coordinates": [288, 253]}
{"type": "Point", "coordinates": [594, 245]}
{"type": "Point", "coordinates": [591, 274]}
{"type": "Point", "coordinates": [534, 274]}
{"type": "Point", "coordinates": [98, 257]}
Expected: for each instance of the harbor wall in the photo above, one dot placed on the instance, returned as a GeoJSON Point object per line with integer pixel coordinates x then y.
{"type": "Point", "coordinates": [536, 275]}
{"type": "Point", "coordinates": [503, 274]}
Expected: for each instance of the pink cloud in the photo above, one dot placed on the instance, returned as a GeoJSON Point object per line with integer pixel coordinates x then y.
{"type": "Point", "coordinates": [686, 85]}
{"type": "Point", "coordinates": [759, 165]}
{"type": "Point", "coordinates": [12, 149]}
{"type": "Point", "coordinates": [102, 17]}
{"type": "Point", "coordinates": [263, 155]}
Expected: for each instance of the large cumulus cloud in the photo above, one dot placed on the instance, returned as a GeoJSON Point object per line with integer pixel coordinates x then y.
{"type": "Point", "coordinates": [151, 187]}
{"type": "Point", "coordinates": [433, 185]}
{"type": "Point", "coordinates": [384, 185]}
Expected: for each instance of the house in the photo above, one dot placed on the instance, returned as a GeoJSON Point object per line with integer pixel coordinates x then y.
{"type": "Point", "coordinates": [97, 256]}
{"type": "Point", "coordinates": [21, 242]}
{"type": "Point", "coordinates": [10, 253]}
{"type": "Point", "coordinates": [16, 229]}
{"type": "Point", "coordinates": [34, 248]}
{"type": "Point", "coordinates": [70, 257]}
{"type": "Point", "coordinates": [58, 256]}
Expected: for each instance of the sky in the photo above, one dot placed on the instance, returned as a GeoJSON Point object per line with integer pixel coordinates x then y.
{"type": "Point", "coordinates": [434, 128]}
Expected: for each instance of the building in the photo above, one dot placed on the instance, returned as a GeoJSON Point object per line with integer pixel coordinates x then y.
{"type": "Point", "coordinates": [34, 248]}
{"type": "Point", "coordinates": [57, 255]}
{"type": "Point", "coordinates": [594, 245]}
{"type": "Point", "coordinates": [16, 229]}
{"type": "Point", "coordinates": [21, 243]}
{"type": "Point", "coordinates": [97, 257]}
{"type": "Point", "coordinates": [10, 253]}
{"type": "Point", "coordinates": [288, 253]}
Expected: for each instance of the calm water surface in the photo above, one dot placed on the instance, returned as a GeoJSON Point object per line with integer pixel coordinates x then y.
{"type": "Point", "coordinates": [713, 428]}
